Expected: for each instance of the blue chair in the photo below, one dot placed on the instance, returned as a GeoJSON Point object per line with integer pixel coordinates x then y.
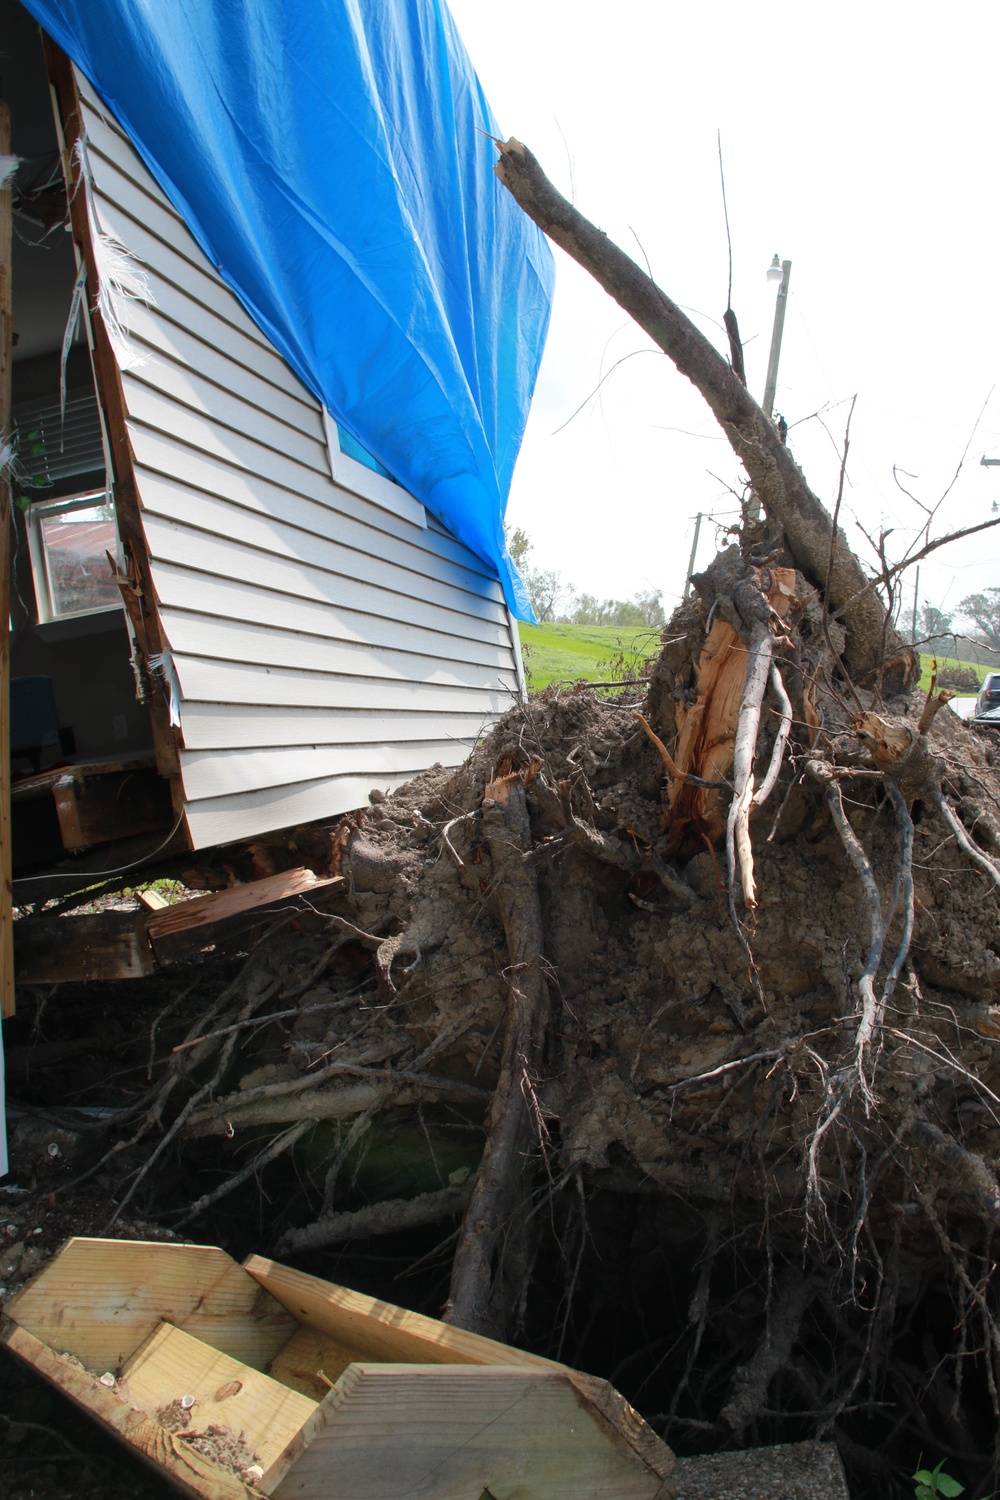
{"type": "Point", "coordinates": [34, 718]}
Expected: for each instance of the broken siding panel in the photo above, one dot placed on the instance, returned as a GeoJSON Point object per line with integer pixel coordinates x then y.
{"type": "Point", "coordinates": [214, 726]}
{"type": "Point", "coordinates": [323, 644]}
{"type": "Point", "coordinates": [208, 775]}
{"type": "Point", "coordinates": [221, 820]}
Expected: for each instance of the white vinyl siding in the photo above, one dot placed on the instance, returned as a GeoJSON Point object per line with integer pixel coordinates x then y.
{"type": "Point", "coordinates": [323, 644]}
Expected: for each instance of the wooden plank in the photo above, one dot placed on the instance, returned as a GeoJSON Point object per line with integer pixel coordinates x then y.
{"type": "Point", "coordinates": [6, 366]}
{"type": "Point", "coordinates": [380, 1330]}
{"type": "Point", "coordinates": [225, 726]}
{"type": "Point", "coordinates": [172, 1364]}
{"type": "Point", "coordinates": [160, 1450]}
{"type": "Point", "coordinates": [433, 1432]}
{"type": "Point", "coordinates": [42, 782]}
{"type": "Point", "coordinates": [180, 588]}
{"type": "Point", "coordinates": [219, 906]}
{"type": "Point", "coordinates": [95, 809]}
{"type": "Point", "coordinates": [69, 120]}
{"type": "Point", "coordinates": [100, 1299]}
{"type": "Point", "coordinates": [152, 900]}
{"type": "Point", "coordinates": [214, 773]}
{"type": "Point", "coordinates": [241, 682]}
{"type": "Point", "coordinates": [71, 949]}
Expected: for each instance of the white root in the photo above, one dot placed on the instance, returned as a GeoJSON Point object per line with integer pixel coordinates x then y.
{"type": "Point", "coordinates": [959, 830]}
{"type": "Point", "coordinates": [739, 850]}
{"type": "Point", "coordinates": [870, 1008]}
{"type": "Point", "coordinates": [767, 786]}
{"type": "Point", "coordinates": [906, 884]}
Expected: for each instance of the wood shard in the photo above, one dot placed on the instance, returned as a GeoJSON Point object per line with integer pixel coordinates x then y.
{"type": "Point", "coordinates": [205, 911]}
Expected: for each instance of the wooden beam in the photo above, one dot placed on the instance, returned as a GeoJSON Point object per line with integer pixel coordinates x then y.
{"type": "Point", "coordinates": [99, 809]}
{"type": "Point", "coordinates": [220, 906]}
{"type": "Point", "coordinates": [6, 351]}
{"type": "Point", "coordinates": [74, 950]}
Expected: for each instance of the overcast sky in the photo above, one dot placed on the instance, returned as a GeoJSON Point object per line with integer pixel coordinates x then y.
{"type": "Point", "coordinates": [860, 141]}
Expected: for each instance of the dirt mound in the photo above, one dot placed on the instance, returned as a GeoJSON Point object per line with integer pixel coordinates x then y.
{"type": "Point", "coordinates": [661, 1036]}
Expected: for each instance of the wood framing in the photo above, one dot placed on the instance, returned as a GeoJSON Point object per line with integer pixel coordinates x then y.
{"type": "Point", "coordinates": [314, 1392]}
{"type": "Point", "coordinates": [6, 351]}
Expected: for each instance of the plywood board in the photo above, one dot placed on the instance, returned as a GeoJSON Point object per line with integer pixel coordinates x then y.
{"type": "Point", "coordinates": [171, 1364]}
{"type": "Point", "coordinates": [451, 1433]}
{"type": "Point", "coordinates": [99, 1299]}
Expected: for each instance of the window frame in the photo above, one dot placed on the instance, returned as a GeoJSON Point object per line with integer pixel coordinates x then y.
{"type": "Point", "coordinates": [360, 480]}
{"type": "Point", "coordinates": [35, 513]}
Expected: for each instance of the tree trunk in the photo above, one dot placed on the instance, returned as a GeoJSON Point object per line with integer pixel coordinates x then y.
{"type": "Point", "coordinates": [774, 474]}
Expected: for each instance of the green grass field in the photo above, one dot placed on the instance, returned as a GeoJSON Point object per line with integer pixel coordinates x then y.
{"type": "Point", "coordinates": [583, 653]}
{"type": "Point", "coordinates": [601, 653]}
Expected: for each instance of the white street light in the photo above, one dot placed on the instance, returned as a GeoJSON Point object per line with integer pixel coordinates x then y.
{"type": "Point", "coordinates": [777, 271]}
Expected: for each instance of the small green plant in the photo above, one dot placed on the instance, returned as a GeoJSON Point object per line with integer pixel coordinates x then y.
{"type": "Point", "coordinates": [930, 1483]}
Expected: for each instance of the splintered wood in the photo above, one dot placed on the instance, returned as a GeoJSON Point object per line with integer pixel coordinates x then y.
{"type": "Point", "coordinates": [707, 727]}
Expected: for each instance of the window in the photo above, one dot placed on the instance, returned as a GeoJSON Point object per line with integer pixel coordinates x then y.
{"type": "Point", "coordinates": [354, 469]}
{"type": "Point", "coordinates": [60, 483]}
{"type": "Point", "coordinates": [68, 540]}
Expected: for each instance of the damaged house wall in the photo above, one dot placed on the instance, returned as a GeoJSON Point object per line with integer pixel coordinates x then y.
{"type": "Point", "coordinates": [319, 642]}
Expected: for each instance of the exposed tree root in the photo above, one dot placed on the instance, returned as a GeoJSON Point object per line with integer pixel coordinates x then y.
{"type": "Point", "coordinates": [514, 1122]}
{"type": "Point", "coordinates": [391, 1216]}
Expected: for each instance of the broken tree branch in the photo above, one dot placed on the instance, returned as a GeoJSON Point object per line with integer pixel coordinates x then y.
{"type": "Point", "coordinates": [775, 476]}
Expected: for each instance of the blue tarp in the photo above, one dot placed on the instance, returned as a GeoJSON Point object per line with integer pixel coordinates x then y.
{"type": "Point", "coordinates": [332, 159]}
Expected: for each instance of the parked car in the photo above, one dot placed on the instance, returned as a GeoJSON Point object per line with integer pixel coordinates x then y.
{"type": "Point", "coordinates": [988, 702]}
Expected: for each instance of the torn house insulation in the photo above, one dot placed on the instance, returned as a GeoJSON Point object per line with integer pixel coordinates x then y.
{"type": "Point", "coordinates": [333, 161]}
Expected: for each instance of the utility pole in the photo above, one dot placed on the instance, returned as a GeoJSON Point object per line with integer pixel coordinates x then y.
{"type": "Point", "coordinates": [916, 593]}
{"type": "Point", "coordinates": [694, 549]}
{"type": "Point", "coordinates": [770, 385]}
{"type": "Point", "coordinates": [783, 270]}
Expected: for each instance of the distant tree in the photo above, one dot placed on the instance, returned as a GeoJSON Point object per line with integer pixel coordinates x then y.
{"type": "Point", "coordinates": [546, 591]}
{"type": "Point", "coordinates": [518, 545]}
{"type": "Point", "coordinates": [932, 623]}
{"type": "Point", "coordinates": [983, 613]}
{"type": "Point", "coordinates": [641, 610]}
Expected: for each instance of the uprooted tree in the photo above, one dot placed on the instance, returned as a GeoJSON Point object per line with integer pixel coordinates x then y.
{"type": "Point", "coordinates": [714, 976]}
